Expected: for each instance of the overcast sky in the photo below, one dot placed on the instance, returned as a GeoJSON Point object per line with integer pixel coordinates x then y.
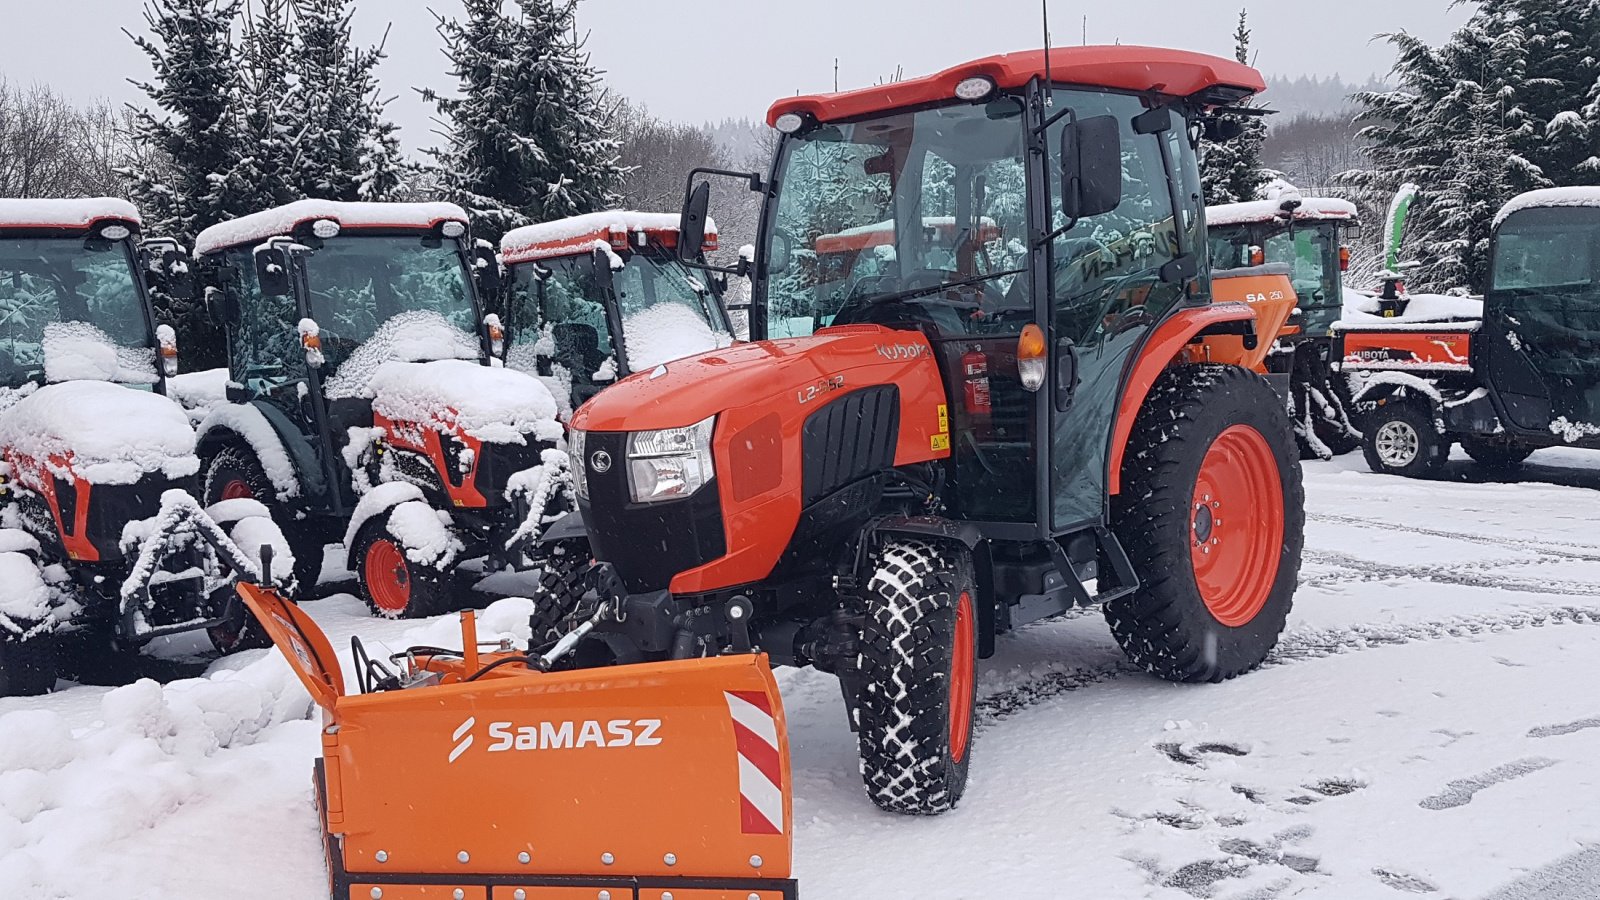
{"type": "Point", "coordinates": [697, 60]}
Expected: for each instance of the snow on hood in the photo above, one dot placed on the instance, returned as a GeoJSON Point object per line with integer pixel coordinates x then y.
{"type": "Point", "coordinates": [66, 213]}
{"type": "Point", "coordinates": [78, 351]}
{"type": "Point", "coordinates": [497, 406]}
{"type": "Point", "coordinates": [1361, 310]}
{"type": "Point", "coordinates": [281, 221]}
{"type": "Point", "coordinates": [1549, 197]}
{"type": "Point", "coordinates": [113, 434]}
{"type": "Point", "coordinates": [199, 390]}
{"type": "Point", "coordinates": [1312, 208]}
{"type": "Point", "coordinates": [408, 337]}
{"type": "Point", "coordinates": [665, 332]}
{"type": "Point", "coordinates": [561, 237]}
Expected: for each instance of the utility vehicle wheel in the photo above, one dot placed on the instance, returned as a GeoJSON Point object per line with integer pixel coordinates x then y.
{"type": "Point", "coordinates": [1212, 516]}
{"type": "Point", "coordinates": [1493, 454]}
{"type": "Point", "coordinates": [919, 648]}
{"type": "Point", "coordinates": [1401, 439]}
{"type": "Point", "coordinates": [559, 605]}
{"type": "Point", "coordinates": [27, 668]}
{"type": "Point", "coordinates": [393, 585]}
{"type": "Point", "coordinates": [236, 474]}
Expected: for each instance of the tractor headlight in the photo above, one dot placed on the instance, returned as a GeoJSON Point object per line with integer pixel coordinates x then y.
{"type": "Point", "coordinates": [670, 464]}
{"type": "Point", "coordinates": [580, 471]}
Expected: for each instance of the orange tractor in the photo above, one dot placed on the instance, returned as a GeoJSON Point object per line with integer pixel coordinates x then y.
{"type": "Point", "coordinates": [952, 430]}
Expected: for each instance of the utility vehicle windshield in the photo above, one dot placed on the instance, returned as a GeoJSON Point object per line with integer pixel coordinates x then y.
{"type": "Point", "coordinates": [70, 309]}
{"type": "Point", "coordinates": [357, 283]}
{"type": "Point", "coordinates": [1546, 296]}
{"type": "Point", "coordinates": [927, 208]}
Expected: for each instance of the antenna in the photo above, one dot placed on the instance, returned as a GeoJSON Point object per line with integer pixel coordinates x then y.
{"type": "Point", "coordinates": [836, 74]}
{"type": "Point", "coordinates": [1086, 29]}
{"type": "Point", "coordinates": [1049, 95]}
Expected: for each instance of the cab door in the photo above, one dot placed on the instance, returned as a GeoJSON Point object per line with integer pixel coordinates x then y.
{"type": "Point", "coordinates": [1106, 292]}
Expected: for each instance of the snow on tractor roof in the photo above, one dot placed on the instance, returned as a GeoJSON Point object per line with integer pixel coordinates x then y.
{"type": "Point", "coordinates": [1175, 73]}
{"type": "Point", "coordinates": [1310, 210]}
{"type": "Point", "coordinates": [619, 228]}
{"type": "Point", "coordinates": [65, 213]}
{"type": "Point", "coordinates": [283, 220]}
{"type": "Point", "coordinates": [1550, 197]}
{"type": "Point", "coordinates": [879, 234]}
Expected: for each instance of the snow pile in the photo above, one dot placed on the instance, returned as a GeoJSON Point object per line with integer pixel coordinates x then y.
{"type": "Point", "coordinates": [24, 597]}
{"type": "Point", "coordinates": [668, 331]}
{"type": "Point", "coordinates": [563, 237]}
{"type": "Point", "coordinates": [377, 501]}
{"type": "Point", "coordinates": [498, 406]}
{"type": "Point", "coordinates": [409, 337]}
{"type": "Point", "coordinates": [199, 392]}
{"type": "Point", "coordinates": [110, 434]}
{"type": "Point", "coordinates": [1550, 197]}
{"type": "Point", "coordinates": [1310, 209]}
{"type": "Point", "coordinates": [1573, 432]}
{"type": "Point", "coordinates": [250, 423]}
{"type": "Point", "coordinates": [68, 213]}
{"type": "Point", "coordinates": [425, 534]}
{"type": "Point", "coordinates": [1361, 311]}
{"type": "Point", "coordinates": [78, 351]}
{"type": "Point", "coordinates": [280, 222]}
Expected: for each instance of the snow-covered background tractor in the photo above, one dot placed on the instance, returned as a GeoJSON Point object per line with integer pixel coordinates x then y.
{"type": "Point", "coordinates": [595, 298]}
{"type": "Point", "coordinates": [103, 547]}
{"type": "Point", "coordinates": [1309, 236]}
{"type": "Point", "coordinates": [966, 430]}
{"type": "Point", "coordinates": [1525, 375]}
{"type": "Point", "coordinates": [362, 406]}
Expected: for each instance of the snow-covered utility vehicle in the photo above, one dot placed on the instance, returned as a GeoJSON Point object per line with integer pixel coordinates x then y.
{"type": "Point", "coordinates": [992, 426]}
{"type": "Point", "coordinates": [693, 757]}
{"type": "Point", "coordinates": [362, 403]}
{"type": "Point", "coordinates": [1524, 377]}
{"type": "Point", "coordinates": [595, 298]}
{"type": "Point", "coordinates": [1308, 236]}
{"type": "Point", "coordinates": [100, 535]}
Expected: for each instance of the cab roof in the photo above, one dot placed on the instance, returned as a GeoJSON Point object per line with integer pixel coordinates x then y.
{"type": "Point", "coordinates": [1548, 198]}
{"type": "Point", "coordinates": [618, 229]}
{"type": "Point", "coordinates": [1311, 209]}
{"type": "Point", "coordinates": [66, 214]}
{"type": "Point", "coordinates": [283, 220]}
{"type": "Point", "coordinates": [1174, 73]}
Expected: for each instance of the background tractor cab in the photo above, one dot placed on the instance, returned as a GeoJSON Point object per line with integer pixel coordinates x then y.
{"type": "Point", "coordinates": [362, 406]}
{"type": "Point", "coordinates": [943, 432]}
{"type": "Point", "coordinates": [103, 539]}
{"type": "Point", "coordinates": [1309, 236]}
{"type": "Point", "coordinates": [1527, 376]}
{"type": "Point", "coordinates": [595, 298]}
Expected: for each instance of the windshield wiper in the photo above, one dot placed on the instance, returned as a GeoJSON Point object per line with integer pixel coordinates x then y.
{"type": "Point", "coordinates": [942, 286]}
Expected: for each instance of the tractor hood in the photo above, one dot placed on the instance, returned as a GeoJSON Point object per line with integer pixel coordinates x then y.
{"type": "Point", "coordinates": [100, 432]}
{"type": "Point", "coordinates": [689, 390]}
{"type": "Point", "coordinates": [493, 405]}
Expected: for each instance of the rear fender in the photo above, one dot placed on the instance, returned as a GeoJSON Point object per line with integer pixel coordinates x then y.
{"type": "Point", "coordinates": [285, 455]}
{"type": "Point", "coordinates": [373, 504]}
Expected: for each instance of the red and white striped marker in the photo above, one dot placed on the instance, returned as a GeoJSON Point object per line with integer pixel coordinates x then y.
{"type": "Point", "coordinates": [760, 765]}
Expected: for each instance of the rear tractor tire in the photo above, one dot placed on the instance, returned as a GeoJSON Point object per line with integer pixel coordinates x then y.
{"type": "Point", "coordinates": [236, 473]}
{"type": "Point", "coordinates": [1499, 455]}
{"type": "Point", "coordinates": [27, 667]}
{"type": "Point", "coordinates": [1402, 439]}
{"type": "Point", "coordinates": [1211, 514]}
{"type": "Point", "coordinates": [393, 585]}
{"type": "Point", "coordinates": [919, 648]}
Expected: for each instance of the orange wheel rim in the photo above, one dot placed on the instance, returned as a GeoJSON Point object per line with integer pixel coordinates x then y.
{"type": "Point", "coordinates": [388, 576]}
{"type": "Point", "coordinates": [237, 489]}
{"type": "Point", "coordinates": [1236, 525]}
{"type": "Point", "coordinates": [961, 668]}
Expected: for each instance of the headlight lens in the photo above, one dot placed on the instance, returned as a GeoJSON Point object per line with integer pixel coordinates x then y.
{"type": "Point", "coordinates": [580, 470]}
{"type": "Point", "coordinates": [670, 464]}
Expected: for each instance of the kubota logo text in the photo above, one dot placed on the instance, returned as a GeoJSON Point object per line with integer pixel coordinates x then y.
{"type": "Point", "coordinates": [567, 735]}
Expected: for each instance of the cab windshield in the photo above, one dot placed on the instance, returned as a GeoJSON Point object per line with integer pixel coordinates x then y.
{"type": "Point", "coordinates": [1310, 250]}
{"type": "Point", "coordinates": [71, 309]}
{"type": "Point", "coordinates": [926, 209]}
{"type": "Point", "coordinates": [356, 284]}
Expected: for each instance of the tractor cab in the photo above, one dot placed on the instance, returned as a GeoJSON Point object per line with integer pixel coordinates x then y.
{"type": "Point", "coordinates": [598, 297]}
{"type": "Point", "coordinates": [1310, 236]}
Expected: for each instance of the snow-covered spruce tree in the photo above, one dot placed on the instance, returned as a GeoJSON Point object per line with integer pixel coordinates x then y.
{"type": "Point", "coordinates": [1231, 171]}
{"type": "Point", "coordinates": [189, 125]}
{"type": "Point", "coordinates": [527, 136]}
{"type": "Point", "coordinates": [1507, 104]}
{"type": "Point", "coordinates": [262, 101]}
{"type": "Point", "coordinates": [344, 147]}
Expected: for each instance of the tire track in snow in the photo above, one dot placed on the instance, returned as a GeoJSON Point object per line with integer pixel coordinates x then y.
{"type": "Point", "coordinates": [1296, 645]}
{"type": "Point", "coordinates": [1570, 550]}
{"type": "Point", "coordinates": [1463, 574]}
{"type": "Point", "coordinates": [1460, 792]}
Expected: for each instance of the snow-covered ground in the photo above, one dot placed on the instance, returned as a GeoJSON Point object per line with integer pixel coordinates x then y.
{"type": "Point", "coordinates": [1429, 728]}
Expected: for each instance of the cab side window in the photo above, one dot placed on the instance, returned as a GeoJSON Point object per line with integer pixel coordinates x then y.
{"type": "Point", "coordinates": [264, 352]}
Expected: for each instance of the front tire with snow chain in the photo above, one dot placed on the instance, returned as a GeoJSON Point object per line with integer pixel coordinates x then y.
{"type": "Point", "coordinates": [235, 473]}
{"type": "Point", "coordinates": [1211, 514]}
{"type": "Point", "coordinates": [918, 651]}
{"type": "Point", "coordinates": [393, 585]}
{"type": "Point", "coordinates": [560, 605]}
{"type": "Point", "coordinates": [1402, 439]}
{"type": "Point", "coordinates": [27, 667]}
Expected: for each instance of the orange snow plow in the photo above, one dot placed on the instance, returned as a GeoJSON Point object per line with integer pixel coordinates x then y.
{"type": "Point", "coordinates": [481, 776]}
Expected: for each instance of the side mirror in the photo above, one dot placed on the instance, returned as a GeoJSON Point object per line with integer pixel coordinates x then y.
{"type": "Point", "coordinates": [692, 223]}
{"type": "Point", "coordinates": [1091, 167]}
{"type": "Point", "coordinates": [272, 270]}
{"type": "Point", "coordinates": [486, 271]}
{"type": "Point", "coordinates": [495, 334]}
